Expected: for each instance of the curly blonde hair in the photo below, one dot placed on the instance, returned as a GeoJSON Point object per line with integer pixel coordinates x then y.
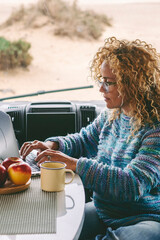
{"type": "Point", "coordinates": [136, 66]}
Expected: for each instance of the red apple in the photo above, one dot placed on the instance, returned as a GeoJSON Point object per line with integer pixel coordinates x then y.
{"type": "Point", "coordinates": [19, 173]}
{"type": "Point", "coordinates": [10, 160]}
{"type": "Point", "coordinates": [3, 175]}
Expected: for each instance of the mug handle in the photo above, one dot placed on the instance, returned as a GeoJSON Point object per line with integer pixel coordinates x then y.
{"type": "Point", "coordinates": [73, 174]}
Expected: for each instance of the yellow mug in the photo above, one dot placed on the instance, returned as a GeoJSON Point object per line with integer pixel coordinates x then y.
{"type": "Point", "coordinates": [53, 176]}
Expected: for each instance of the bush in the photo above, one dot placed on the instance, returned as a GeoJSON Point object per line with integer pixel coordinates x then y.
{"type": "Point", "coordinates": [14, 54]}
{"type": "Point", "coordinates": [67, 19]}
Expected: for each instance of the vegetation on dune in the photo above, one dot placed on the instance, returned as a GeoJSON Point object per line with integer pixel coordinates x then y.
{"type": "Point", "coordinates": [66, 19]}
{"type": "Point", "coordinates": [14, 54]}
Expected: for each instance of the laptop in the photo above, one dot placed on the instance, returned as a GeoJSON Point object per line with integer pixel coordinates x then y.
{"type": "Point", "coordinates": [9, 144]}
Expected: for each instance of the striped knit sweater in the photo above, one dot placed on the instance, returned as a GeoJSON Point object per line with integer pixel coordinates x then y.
{"type": "Point", "coordinates": [123, 174]}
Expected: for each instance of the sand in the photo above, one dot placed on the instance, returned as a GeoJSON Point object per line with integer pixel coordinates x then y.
{"type": "Point", "coordinates": [60, 62]}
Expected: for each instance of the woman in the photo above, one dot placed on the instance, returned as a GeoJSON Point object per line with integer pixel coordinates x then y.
{"type": "Point", "coordinates": [118, 155]}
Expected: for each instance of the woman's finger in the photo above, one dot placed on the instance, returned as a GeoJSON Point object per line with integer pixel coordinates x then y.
{"type": "Point", "coordinates": [26, 146]}
{"type": "Point", "coordinates": [43, 159]}
{"type": "Point", "coordinates": [45, 153]}
{"type": "Point", "coordinates": [23, 147]}
{"type": "Point", "coordinates": [29, 146]}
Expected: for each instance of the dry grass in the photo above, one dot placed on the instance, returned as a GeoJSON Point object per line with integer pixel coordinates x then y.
{"type": "Point", "coordinates": [66, 19]}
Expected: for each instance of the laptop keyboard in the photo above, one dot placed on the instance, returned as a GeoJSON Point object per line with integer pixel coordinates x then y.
{"type": "Point", "coordinates": [30, 159]}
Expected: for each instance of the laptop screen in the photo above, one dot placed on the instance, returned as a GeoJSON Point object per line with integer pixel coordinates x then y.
{"type": "Point", "coordinates": [8, 142]}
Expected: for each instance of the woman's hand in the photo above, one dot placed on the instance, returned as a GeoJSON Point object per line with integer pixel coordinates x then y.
{"type": "Point", "coordinates": [27, 147]}
{"type": "Point", "coordinates": [52, 155]}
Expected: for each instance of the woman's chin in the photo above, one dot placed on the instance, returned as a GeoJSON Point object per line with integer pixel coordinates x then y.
{"type": "Point", "coordinates": [108, 106]}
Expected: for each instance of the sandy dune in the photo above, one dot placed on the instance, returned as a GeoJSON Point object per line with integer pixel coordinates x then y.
{"type": "Point", "coordinates": [64, 63]}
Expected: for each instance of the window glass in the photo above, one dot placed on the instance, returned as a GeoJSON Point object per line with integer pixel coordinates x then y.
{"type": "Point", "coordinates": [60, 59]}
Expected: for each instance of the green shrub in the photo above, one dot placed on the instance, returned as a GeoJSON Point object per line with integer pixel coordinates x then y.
{"type": "Point", "coordinates": [14, 54]}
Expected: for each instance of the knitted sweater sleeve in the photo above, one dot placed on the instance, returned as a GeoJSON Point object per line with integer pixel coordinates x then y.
{"type": "Point", "coordinates": [84, 143]}
{"type": "Point", "coordinates": [131, 183]}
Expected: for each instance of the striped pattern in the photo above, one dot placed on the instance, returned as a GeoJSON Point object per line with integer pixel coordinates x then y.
{"type": "Point", "coordinates": [29, 212]}
{"type": "Point", "coordinates": [124, 175]}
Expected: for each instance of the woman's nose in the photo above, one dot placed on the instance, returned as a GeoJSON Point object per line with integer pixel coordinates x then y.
{"type": "Point", "coordinates": [102, 89]}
